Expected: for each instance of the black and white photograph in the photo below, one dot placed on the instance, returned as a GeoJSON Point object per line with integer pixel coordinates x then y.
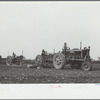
{"type": "Point", "coordinates": [50, 42]}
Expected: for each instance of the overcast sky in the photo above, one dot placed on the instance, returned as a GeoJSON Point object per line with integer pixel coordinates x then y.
{"type": "Point", "coordinates": [33, 26]}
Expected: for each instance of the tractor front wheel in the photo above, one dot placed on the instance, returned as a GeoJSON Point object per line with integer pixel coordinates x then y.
{"type": "Point", "coordinates": [86, 66]}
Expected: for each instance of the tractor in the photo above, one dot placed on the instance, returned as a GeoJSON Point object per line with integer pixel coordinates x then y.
{"type": "Point", "coordinates": [77, 58]}
{"type": "Point", "coordinates": [45, 59]}
{"type": "Point", "coordinates": [14, 60]}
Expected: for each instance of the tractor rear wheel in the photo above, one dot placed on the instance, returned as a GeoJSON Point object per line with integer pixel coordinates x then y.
{"type": "Point", "coordinates": [86, 66]}
{"type": "Point", "coordinates": [9, 60]}
{"type": "Point", "coordinates": [38, 60]}
{"type": "Point", "coordinates": [59, 61]}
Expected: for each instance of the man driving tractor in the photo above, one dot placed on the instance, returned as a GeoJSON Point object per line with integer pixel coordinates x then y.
{"type": "Point", "coordinates": [13, 55]}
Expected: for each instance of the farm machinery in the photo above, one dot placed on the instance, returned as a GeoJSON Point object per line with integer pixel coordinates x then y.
{"type": "Point", "coordinates": [45, 59]}
{"type": "Point", "coordinates": [14, 60]}
{"type": "Point", "coordinates": [77, 58]}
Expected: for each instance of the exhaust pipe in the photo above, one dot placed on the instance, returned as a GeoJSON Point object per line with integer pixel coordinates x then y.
{"type": "Point", "coordinates": [80, 45]}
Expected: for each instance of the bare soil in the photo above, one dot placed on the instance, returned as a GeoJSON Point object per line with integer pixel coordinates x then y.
{"type": "Point", "coordinates": [24, 75]}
